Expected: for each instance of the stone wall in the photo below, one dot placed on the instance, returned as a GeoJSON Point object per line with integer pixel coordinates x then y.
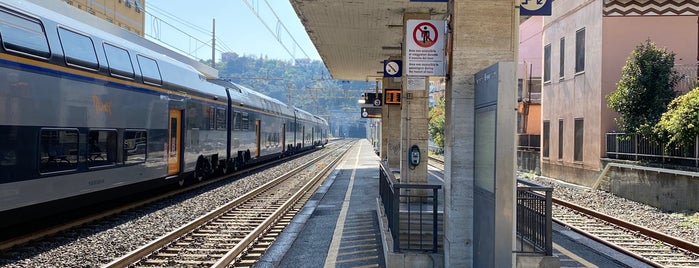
{"type": "Point", "coordinates": [666, 189]}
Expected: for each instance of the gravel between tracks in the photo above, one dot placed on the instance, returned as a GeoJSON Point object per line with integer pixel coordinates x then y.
{"type": "Point", "coordinates": [682, 225]}
{"type": "Point", "coordinates": [99, 243]}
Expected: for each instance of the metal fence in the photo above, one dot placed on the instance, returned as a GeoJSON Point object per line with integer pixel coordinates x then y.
{"type": "Point", "coordinates": [416, 217]}
{"type": "Point", "coordinates": [528, 150]}
{"type": "Point", "coordinates": [637, 148]}
{"type": "Point", "coordinates": [534, 212]}
{"type": "Point", "coordinates": [528, 142]}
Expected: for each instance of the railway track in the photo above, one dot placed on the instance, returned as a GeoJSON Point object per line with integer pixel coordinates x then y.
{"type": "Point", "coordinates": [436, 162]}
{"type": "Point", "coordinates": [87, 219]}
{"type": "Point", "coordinates": [651, 247]}
{"type": "Point", "coordinates": [239, 232]}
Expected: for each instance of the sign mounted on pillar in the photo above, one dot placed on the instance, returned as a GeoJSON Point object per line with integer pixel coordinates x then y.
{"type": "Point", "coordinates": [392, 68]}
{"type": "Point", "coordinates": [424, 53]}
{"type": "Point", "coordinates": [371, 112]}
{"type": "Point", "coordinates": [392, 96]}
{"type": "Point", "coordinates": [535, 8]}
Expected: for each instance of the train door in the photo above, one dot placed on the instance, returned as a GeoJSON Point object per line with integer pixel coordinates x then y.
{"type": "Point", "coordinates": [174, 141]}
{"type": "Point", "coordinates": [283, 137]}
{"type": "Point", "coordinates": [258, 130]}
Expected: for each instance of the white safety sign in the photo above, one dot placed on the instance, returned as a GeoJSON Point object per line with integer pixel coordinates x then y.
{"type": "Point", "coordinates": [425, 47]}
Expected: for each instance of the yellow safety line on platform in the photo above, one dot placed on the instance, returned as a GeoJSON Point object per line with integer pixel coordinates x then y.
{"type": "Point", "coordinates": [337, 235]}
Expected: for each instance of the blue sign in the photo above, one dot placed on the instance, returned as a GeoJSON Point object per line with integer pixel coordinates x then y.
{"type": "Point", "coordinates": [535, 8]}
{"type": "Point", "coordinates": [392, 68]}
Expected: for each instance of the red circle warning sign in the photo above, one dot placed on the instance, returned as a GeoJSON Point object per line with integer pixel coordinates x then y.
{"type": "Point", "coordinates": [425, 34]}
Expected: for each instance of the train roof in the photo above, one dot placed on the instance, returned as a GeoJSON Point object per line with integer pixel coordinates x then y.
{"type": "Point", "coordinates": [177, 71]}
{"type": "Point", "coordinates": [60, 11]}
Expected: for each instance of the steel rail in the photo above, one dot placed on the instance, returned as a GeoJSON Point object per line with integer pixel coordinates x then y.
{"type": "Point", "coordinates": [153, 246]}
{"type": "Point", "coordinates": [668, 240]}
{"type": "Point", "coordinates": [241, 246]}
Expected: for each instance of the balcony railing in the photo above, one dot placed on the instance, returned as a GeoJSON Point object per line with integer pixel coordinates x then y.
{"type": "Point", "coordinates": [528, 142]}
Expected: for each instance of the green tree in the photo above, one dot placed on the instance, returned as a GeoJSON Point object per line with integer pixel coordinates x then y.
{"type": "Point", "coordinates": [645, 89]}
{"type": "Point", "coordinates": [436, 124]}
{"type": "Point", "coordinates": [679, 126]}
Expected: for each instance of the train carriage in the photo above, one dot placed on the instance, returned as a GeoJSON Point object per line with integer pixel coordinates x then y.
{"type": "Point", "coordinates": [87, 115]}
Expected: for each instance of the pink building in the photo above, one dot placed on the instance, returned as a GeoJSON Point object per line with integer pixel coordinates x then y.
{"type": "Point", "coordinates": [585, 45]}
{"type": "Point", "coordinates": [529, 77]}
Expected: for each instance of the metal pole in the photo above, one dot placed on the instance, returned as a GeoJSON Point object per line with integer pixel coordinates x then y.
{"type": "Point", "coordinates": [213, 45]}
{"type": "Point", "coordinates": [549, 224]}
{"type": "Point", "coordinates": [435, 202]}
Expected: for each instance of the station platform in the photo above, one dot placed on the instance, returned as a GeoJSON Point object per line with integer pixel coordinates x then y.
{"type": "Point", "coordinates": [339, 226]}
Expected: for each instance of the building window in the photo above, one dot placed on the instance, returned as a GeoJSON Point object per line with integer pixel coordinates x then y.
{"type": "Point", "coordinates": [547, 63]}
{"type": "Point", "coordinates": [545, 142]}
{"type": "Point", "coordinates": [579, 133]}
{"type": "Point", "coordinates": [561, 65]}
{"type": "Point", "coordinates": [580, 50]}
{"type": "Point", "coordinates": [560, 139]}
{"type": "Point", "coordinates": [138, 5]}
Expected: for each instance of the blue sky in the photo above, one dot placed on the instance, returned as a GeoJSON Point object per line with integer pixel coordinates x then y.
{"type": "Point", "coordinates": [187, 26]}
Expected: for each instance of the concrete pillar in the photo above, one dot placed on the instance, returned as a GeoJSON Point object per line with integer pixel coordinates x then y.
{"type": "Point", "coordinates": [414, 119]}
{"type": "Point", "coordinates": [483, 32]}
{"type": "Point", "coordinates": [390, 126]}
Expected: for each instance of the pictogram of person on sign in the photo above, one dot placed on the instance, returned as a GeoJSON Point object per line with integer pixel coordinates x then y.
{"type": "Point", "coordinates": [426, 35]}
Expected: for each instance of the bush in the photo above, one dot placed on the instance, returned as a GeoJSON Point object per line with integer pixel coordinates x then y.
{"type": "Point", "coordinates": [645, 89]}
{"type": "Point", "coordinates": [679, 126]}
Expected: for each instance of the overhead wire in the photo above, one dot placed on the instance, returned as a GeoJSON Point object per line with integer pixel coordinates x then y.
{"type": "Point", "coordinates": [222, 46]}
{"type": "Point", "coordinates": [279, 23]}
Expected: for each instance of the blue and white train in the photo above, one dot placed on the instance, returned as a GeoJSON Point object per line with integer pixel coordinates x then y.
{"type": "Point", "coordinates": [89, 113]}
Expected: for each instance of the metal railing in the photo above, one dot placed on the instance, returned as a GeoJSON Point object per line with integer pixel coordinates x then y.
{"type": "Point", "coordinates": [637, 148]}
{"type": "Point", "coordinates": [409, 200]}
{"type": "Point", "coordinates": [534, 212]}
{"type": "Point", "coordinates": [528, 142]}
{"type": "Point", "coordinates": [528, 150]}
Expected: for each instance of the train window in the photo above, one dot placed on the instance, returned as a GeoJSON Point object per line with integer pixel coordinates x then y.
{"type": "Point", "coordinates": [58, 150]}
{"type": "Point", "coordinates": [237, 121]}
{"type": "Point", "coordinates": [211, 112]}
{"type": "Point", "coordinates": [220, 119]}
{"type": "Point", "coordinates": [10, 152]}
{"type": "Point", "coordinates": [78, 49]}
{"type": "Point", "coordinates": [245, 121]}
{"type": "Point", "coordinates": [101, 148]}
{"type": "Point", "coordinates": [23, 34]}
{"type": "Point", "coordinates": [135, 146]}
{"type": "Point", "coordinates": [149, 70]}
{"type": "Point", "coordinates": [119, 61]}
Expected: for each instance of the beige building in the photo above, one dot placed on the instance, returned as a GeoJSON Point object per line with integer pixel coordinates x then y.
{"type": "Point", "coordinates": [586, 43]}
{"type": "Point", "coordinates": [127, 14]}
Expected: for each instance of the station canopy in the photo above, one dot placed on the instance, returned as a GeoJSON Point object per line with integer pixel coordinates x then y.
{"type": "Point", "coordinates": [354, 37]}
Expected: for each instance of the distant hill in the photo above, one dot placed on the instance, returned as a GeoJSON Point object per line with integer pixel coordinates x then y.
{"type": "Point", "coordinates": [305, 84]}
